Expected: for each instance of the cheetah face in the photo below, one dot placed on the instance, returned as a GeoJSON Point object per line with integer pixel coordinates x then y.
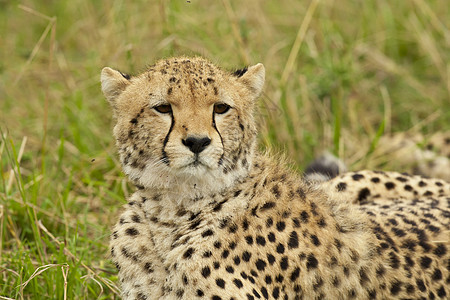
{"type": "Point", "coordinates": [184, 122]}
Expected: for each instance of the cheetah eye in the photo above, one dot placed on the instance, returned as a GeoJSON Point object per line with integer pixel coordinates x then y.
{"type": "Point", "coordinates": [221, 108]}
{"type": "Point", "coordinates": [163, 109]}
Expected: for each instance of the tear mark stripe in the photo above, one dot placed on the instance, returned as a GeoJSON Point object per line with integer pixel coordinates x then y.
{"type": "Point", "coordinates": [221, 140]}
{"type": "Point", "coordinates": [165, 159]}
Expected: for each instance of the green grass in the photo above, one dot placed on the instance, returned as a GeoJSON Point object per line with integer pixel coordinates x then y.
{"type": "Point", "coordinates": [339, 76]}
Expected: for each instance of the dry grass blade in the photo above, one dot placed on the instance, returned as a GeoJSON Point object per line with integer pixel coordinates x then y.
{"type": "Point", "coordinates": [2, 142]}
{"type": "Point", "coordinates": [298, 41]}
{"type": "Point", "coordinates": [50, 25]}
{"type": "Point", "coordinates": [39, 209]}
{"type": "Point", "coordinates": [89, 276]}
{"type": "Point", "coordinates": [11, 271]}
{"type": "Point", "coordinates": [429, 119]}
{"type": "Point", "coordinates": [434, 20]}
{"type": "Point", "coordinates": [37, 272]}
{"type": "Point", "coordinates": [47, 89]}
{"type": "Point", "coordinates": [236, 31]}
{"type": "Point", "coordinates": [428, 44]}
{"type": "Point", "coordinates": [13, 231]}
{"type": "Point", "coordinates": [67, 252]}
{"type": "Point", "coordinates": [14, 169]}
{"type": "Point", "coordinates": [448, 78]}
{"type": "Point", "coordinates": [389, 66]}
{"type": "Point", "coordinates": [33, 12]}
{"type": "Point", "coordinates": [387, 104]}
{"type": "Point", "coordinates": [65, 272]}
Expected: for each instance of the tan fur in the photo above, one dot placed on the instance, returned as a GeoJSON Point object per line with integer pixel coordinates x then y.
{"type": "Point", "coordinates": [424, 156]}
{"type": "Point", "coordinates": [230, 223]}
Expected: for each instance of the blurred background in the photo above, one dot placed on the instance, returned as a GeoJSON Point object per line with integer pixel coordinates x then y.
{"type": "Point", "coordinates": [340, 75]}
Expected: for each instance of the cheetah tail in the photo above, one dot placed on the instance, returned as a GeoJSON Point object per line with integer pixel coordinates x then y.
{"type": "Point", "coordinates": [324, 168]}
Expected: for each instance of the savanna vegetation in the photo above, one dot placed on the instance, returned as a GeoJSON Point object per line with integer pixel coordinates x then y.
{"type": "Point", "coordinates": [340, 74]}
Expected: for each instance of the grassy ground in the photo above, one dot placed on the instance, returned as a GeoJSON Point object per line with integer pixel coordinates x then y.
{"type": "Point", "coordinates": [339, 74]}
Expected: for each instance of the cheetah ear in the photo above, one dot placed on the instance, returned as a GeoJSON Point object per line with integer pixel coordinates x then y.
{"type": "Point", "coordinates": [113, 84]}
{"type": "Point", "coordinates": [253, 78]}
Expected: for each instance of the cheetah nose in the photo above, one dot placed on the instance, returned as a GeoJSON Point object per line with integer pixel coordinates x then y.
{"type": "Point", "coordinates": [196, 144]}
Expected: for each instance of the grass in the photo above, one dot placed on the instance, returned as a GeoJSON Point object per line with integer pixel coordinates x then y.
{"type": "Point", "coordinates": [339, 76]}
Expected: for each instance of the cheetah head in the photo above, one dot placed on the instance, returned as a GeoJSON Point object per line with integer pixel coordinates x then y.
{"type": "Point", "coordinates": [184, 123]}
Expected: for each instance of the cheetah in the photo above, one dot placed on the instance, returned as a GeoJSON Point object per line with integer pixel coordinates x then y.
{"type": "Point", "coordinates": [427, 156]}
{"type": "Point", "coordinates": [214, 218]}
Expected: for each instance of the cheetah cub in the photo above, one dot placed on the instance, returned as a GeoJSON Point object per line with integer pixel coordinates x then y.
{"type": "Point", "coordinates": [213, 218]}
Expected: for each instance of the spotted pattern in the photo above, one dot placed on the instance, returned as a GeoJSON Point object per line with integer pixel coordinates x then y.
{"type": "Point", "coordinates": [368, 186]}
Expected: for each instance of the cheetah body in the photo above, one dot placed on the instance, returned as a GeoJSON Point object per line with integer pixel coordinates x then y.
{"type": "Point", "coordinates": [214, 219]}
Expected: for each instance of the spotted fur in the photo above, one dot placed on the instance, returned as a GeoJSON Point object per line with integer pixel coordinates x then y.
{"type": "Point", "coordinates": [219, 220]}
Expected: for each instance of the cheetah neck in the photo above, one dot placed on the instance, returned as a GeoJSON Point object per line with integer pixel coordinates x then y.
{"type": "Point", "coordinates": [175, 215]}
{"type": "Point", "coordinates": [180, 204]}
{"type": "Point", "coordinates": [193, 196]}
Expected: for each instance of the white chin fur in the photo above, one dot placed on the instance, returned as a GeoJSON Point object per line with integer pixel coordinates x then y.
{"type": "Point", "coordinates": [187, 182]}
